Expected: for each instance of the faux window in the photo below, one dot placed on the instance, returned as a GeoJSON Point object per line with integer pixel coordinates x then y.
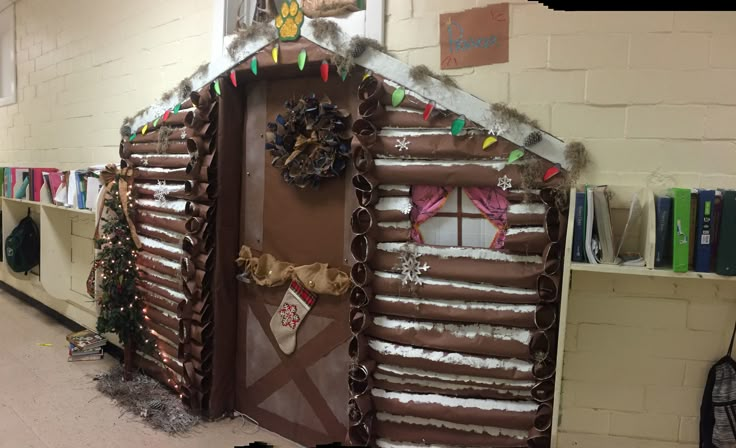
{"type": "Point", "coordinates": [7, 56]}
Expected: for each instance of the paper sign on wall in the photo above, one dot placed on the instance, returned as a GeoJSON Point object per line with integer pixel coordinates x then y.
{"type": "Point", "coordinates": [478, 36]}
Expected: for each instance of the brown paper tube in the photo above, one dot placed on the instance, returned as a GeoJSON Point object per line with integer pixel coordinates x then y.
{"type": "Point", "coordinates": [552, 258]}
{"type": "Point", "coordinates": [160, 318]}
{"type": "Point", "coordinates": [524, 387]}
{"type": "Point", "coordinates": [370, 88]}
{"type": "Point", "coordinates": [174, 283]}
{"type": "Point", "coordinates": [365, 183]}
{"type": "Point", "coordinates": [538, 441]}
{"type": "Point", "coordinates": [367, 198]}
{"type": "Point", "coordinates": [199, 146]}
{"type": "Point", "coordinates": [157, 263]}
{"type": "Point", "coordinates": [360, 296]}
{"type": "Point", "coordinates": [446, 367]}
{"type": "Point", "coordinates": [193, 224]}
{"type": "Point", "coordinates": [160, 234]}
{"type": "Point", "coordinates": [393, 287]}
{"type": "Point", "coordinates": [446, 341]}
{"type": "Point", "coordinates": [175, 147]}
{"type": "Point", "coordinates": [457, 414]}
{"type": "Point", "coordinates": [170, 336]}
{"type": "Point", "coordinates": [466, 175]}
{"type": "Point", "coordinates": [442, 146]}
{"type": "Point", "coordinates": [202, 333]}
{"type": "Point", "coordinates": [197, 210]}
{"type": "Point", "coordinates": [175, 174]}
{"type": "Point", "coordinates": [372, 110]}
{"type": "Point", "coordinates": [201, 99]}
{"type": "Point", "coordinates": [544, 391]}
{"type": "Point", "coordinates": [159, 161]}
{"type": "Point", "coordinates": [192, 245]}
{"type": "Point", "coordinates": [199, 351]}
{"type": "Point", "coordinates": [154, 136]}
{"type": "Point", "coordinates": [543, 419]}
{"type": "Point", "coordinates": [409, 101]}
{"type": "Point", "coordinates": [428, 435]}
{"type": "Point", "coordinates": [171, 364]}
{"type": "Point", "coordinates": [170, 253]}
{"type": "Point", "coordinates": [545, 317]}
{"type": "Point", "coordinates": [198, 381]}
{"type": "Point", "coordinates": [548, 288]}
{"type": "Point", "coordinates": [525, 219]}
{"type": "Point", "coordinates": [500, 273]}
{"type": "Point", "coordinates": [195, 191]}
{"type": "Point", "coordinates": [544, 370]}
{"type": "Point", "coordinates": [193, 294]}
{"type": "Point", "coordinates": [175, 306]}
{"type": "Point", "coordinates": [358, 349]}
{"type": "Point", "coordinates": [552, 224]}
{"type": "Point", "coordinates": [164, 347]}
{"type": "Point", "coordinates": [362, 248]}
{"type": "Point", "coordinates": [366, 133]}
{"type": "Point", "coordinates": [359, 388]}
{"type": "Point", "coordinates": [360, 434]}
{"type": "Point", "coordinates": [196, 119]}
{"type": "Point", "coordinates": [526, 243]}
{"type": "Point", "coordinates": [362, 159]}
{"type": "Point", "coordinates": [540, 347]}
{"type": "Point", "coordinates": [168, 207]}
{"type": "Point", "coordinates": [187, 268]}
{"type": "Point", "coordinates": [361, 274]}
{"type": "Point", "coordinates": [359, 320]}
{"type": "Point", "coordinates": [362, 221]}
{"type": "Point", "coordinates": [359, 407]}
{"type": "Point", "coordinates": [199, 165]}
{"type": "Point", "coordinates": [163, 221]}
{"type": "Point", "coordinates": [390, 234]}
{"type": "Point", "coordinates": [427, 311]}
{"type": "Point", "coordinates": [390, 215]}
{"type": "Point", "coordinates": [204, 262]}
{"type": "Point", "coordinates": [361, 372]}
{"type": "Point", "coordinates": [400, 119]}
{"type": "Point", "coordinates": [204, 316]}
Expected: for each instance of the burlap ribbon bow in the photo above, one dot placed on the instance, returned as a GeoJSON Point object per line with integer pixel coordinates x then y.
{"type": "Point", "coordinates": [124, 177]}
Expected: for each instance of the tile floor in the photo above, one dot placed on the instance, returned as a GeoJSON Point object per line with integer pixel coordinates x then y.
{"type": "Point", "coordinates": [47, 402]}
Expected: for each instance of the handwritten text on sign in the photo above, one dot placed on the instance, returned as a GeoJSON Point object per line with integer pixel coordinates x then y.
{"type": "Point", "coordinates": [478, 36]}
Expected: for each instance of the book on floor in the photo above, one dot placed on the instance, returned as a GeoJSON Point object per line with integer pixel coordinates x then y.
{"type": "Point", "coordinates": [86, 339]}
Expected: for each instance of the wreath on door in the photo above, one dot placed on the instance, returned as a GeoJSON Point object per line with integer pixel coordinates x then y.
{"type": "Point", "coordinates": [310, 141]}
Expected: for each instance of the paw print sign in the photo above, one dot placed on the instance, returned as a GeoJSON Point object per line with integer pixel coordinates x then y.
{"type": "Point", "coordinates": [289, 21]}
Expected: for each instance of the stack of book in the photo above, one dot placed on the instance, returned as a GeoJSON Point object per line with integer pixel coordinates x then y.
{"type": "Point", "coordinates": [696, 231]}
{"type": "Point", "coordinates": [85, 345]}
{"type": "Point", "coordinates": [73, 189]}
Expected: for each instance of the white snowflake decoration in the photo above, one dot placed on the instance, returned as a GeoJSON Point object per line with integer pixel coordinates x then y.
{"type": "Point", "coordinates": [183, 134]}
{"type": "Point", "coordinates": [159, 191]}
{"type": "Point", "coordinates": [504, 182]}
{"type": "Point", "coordinates": [402, 145]}
{"type": "Point", "coordinates": [498, 128]}
{"type": "Point", "coordinates": [145, 162]}
{"type": "Point", "coordinates": [411, 267]}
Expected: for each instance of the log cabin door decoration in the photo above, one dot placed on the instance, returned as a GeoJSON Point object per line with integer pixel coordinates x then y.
{"type": "Point", "coordinates": [301, 395]}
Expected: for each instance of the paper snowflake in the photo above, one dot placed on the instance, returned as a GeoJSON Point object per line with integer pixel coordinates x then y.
{"type": "Point", "coordinates": [402, 144]}
{"type": "Point", "coordinates": [411, 267]}
{"type": "Point", "coordinates": [183, 134]}
{"type": "Point", "coordinates": [159, 191]}
{"type": "Point", "coordinates": [145, 162]}
{"type": "Point", "coordinates": [504, 182]}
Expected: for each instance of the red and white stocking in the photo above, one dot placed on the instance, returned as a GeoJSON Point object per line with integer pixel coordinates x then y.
{"type": "Point", "coordinates": [291, 313]}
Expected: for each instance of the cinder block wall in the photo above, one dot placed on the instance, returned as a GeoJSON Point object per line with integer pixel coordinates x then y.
{"type": "Point", "coordinates": [84, 65]}
{"type": "Point", "coordinates": [653, 97]}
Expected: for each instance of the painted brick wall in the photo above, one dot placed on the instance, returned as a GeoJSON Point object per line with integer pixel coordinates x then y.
{"type": "Point", "coordinates": [653, 96]}
{"type": "Point", "coordinates": [83, 65]}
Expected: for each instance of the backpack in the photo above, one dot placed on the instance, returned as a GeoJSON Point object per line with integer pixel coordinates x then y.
{"type": "Point", "coordinates": [23, 246]}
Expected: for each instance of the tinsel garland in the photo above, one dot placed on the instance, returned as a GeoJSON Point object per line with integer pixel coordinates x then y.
{"type": "Point", "coordinates": [310, 142]}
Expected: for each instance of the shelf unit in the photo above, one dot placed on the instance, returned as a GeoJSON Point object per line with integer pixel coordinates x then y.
{"type": "Point", "coordinates": [641, 239]}
{"type": "Point", "coordinates": [67, 252]}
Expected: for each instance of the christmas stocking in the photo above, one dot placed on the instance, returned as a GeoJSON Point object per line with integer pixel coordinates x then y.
{"type": "Point", "coordinates": [294, 307]}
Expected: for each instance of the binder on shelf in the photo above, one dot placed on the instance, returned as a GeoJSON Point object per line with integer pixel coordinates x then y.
{"type": "Point", "coordinates": [38, 180]}
{"type": "Point", "coordinates": [693, 229]}
{"type": "Point", "coordinates": [716, 220]}
{"type": "Point", "coordinates": [578, 250]}
{"type": "Point", "coordinates": [7, 186]}
{"type": "Point", "coordinates": [704, 232]}
{"type": "Point", "coordinates": [680, 229]}
{"type": "Point", "coordinates": [663, 232]}
{"type": "Point", "coordinates": [726, 261]}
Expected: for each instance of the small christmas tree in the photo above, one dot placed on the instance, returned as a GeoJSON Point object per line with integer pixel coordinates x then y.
{"type": "Point", "coordinates": [120, 306]}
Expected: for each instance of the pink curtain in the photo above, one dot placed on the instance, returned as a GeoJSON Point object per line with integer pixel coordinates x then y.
{"type": "Point", "coordinates": [427, 200]}
{"type": "Point", "coordinates": [492, 203]}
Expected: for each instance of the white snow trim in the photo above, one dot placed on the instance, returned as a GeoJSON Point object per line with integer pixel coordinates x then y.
{"type": "Point", "coordinates": [496, 165]}
{"type": "Point", "coordinates": [458, 305]}
{"type": "Point", "coordinates": [527, 209]}
{"type": "Point", "coordinates": [453, 402]}
{"type": "Point", "coordinates": [524, 191]}
{"type": "Point", "coordinates": [161, 215]}
{"type": "Point", "coordinates": [176, 206]}
{"type": "Point", "coordinates": [490, 430]}
{"type": "Point", "coordinates": [460, 252]}
{"type": "Point", "coordinates": [156, 244]}
{"type": "Point", "coordinates": [388, 187]}
{"type": "Point", "coordinates": [394, 203]}
{"type": "Point", "coordinates": [177, 294]}
{"type": "Point", "coordinates": [518, 230]}
{"type": "Point", "coordinates": [399, 370]}
{"type": "Point", "coordinates": [461, 359]}
{"type": "Point", "coordinates": [390, 132]}
{"type": "Point", "coordinates": [158, 275]}
{"type": "Point", "coordinates": [464, 285]}
{"type": "Point", "coordinates": [396, 224]}
{"type": "Point", "coordinates": [386, 443]}
{"type": "Point", "coordinates": [468, 331]}
{"type": "Point", "coordinates": [160, 156]}
{"type": "Point", "coordinates": [169, 233]}
{"type": "Point", "coordinates": [168, 188]}
{"type": "Point", "coordinates": [160, 259]}
{"type": "Point", "coordinates": [405, 110]}
{"type": "Point", "coordinates": [144, 169]}
{"type": "Point", "coordinates": [446, 386]}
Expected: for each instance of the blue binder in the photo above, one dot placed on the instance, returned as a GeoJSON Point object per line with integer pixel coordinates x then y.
{"type": "Point", "coordinates": [704, 232]}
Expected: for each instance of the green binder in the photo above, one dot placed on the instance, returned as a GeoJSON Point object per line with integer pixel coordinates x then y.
{"type": "Point", "coordinates": [680, 229]}
{"type": "Point", "coordinates": [726, 257]}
